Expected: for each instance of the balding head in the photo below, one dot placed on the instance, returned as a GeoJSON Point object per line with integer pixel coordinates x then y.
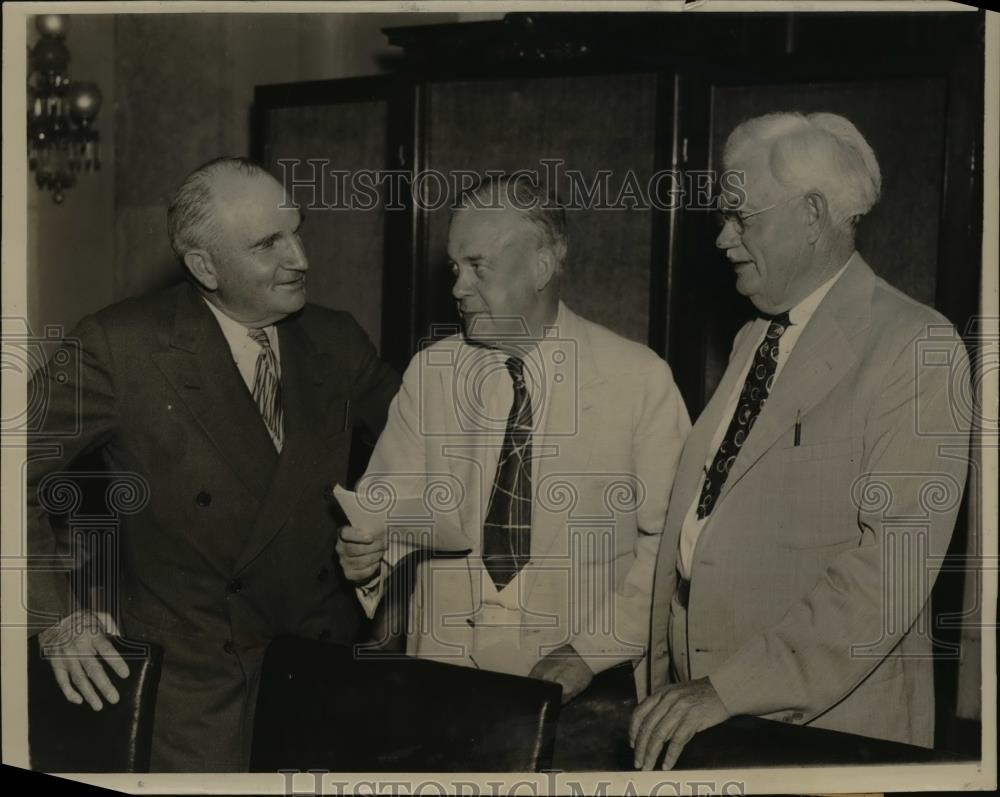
{"type": "Point", "coordinates": [191, 217]}
{"type": "Point", "coordinates": [237, 234]}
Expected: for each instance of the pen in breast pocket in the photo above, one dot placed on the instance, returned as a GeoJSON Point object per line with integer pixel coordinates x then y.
{"type": "Point", "coordinates": [347, 414]}
{"type": "Point", "coordinates": [798, 427]}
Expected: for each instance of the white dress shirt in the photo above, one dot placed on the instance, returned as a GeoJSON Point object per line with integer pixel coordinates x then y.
{"type": "Point", "coordinates": [798, 317]}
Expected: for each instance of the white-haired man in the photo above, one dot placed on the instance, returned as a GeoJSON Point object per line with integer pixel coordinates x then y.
{"type": "Point", "coordinates": [800, 546]}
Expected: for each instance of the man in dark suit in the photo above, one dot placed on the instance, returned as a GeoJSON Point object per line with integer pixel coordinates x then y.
{"type": "Point", "coordinates": [234, 401]}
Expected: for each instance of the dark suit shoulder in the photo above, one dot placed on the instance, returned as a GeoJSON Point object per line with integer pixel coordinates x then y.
{"type": "Point", "coordinates": [137, 313]}
{"type": "Point", "coordinates": [327, 327]}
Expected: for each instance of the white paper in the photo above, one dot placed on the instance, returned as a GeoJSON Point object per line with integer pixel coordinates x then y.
{"type": "Point", "coordinates": [407, 523]}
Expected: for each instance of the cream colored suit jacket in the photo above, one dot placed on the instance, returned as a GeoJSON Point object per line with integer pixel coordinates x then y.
{"type": "Point", "coordinates": [809, 583]}
{"type": "Point", "coordinates": [602, 469]}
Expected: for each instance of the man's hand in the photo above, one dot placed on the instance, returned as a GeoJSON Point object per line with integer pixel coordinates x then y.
{"type": "Point", "coordinates": [674, 714]}
{"type": "Point", "coordinates": [74, 648]}
{"type": "Point", "coordinates": [565, 667]}
{"type": "Point", "coordinates": [360, 552]}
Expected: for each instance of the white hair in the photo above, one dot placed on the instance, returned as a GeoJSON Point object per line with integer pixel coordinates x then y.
{"type": "Point", "coordinates": [816, 152]}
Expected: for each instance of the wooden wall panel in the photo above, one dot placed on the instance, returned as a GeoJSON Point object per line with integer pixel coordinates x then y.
{"type": "Point", "coordinates": [168, 123]}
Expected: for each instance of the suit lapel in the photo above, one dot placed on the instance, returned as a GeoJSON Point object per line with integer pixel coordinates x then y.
{"type": "Point", "coordinates": [563, 449]}
{"type": "Point", "coordinates": [199, 365]}
{"type": "Point", "coordinates": [821, 357]}
{"type": "Point", "coordinates": [691, 469]}
{"type": "Point", "coordinates": [302, 380]}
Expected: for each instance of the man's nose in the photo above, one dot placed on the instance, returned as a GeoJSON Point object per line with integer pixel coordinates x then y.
{"type": "Point", "coordinates": [295, 258]}
{"type": "Point", "coordinates": [463, 285]}
{"type": "Point", "coordinates": [728, 236]}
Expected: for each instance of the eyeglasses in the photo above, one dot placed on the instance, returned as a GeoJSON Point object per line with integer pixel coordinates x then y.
{"type": "Point", "coordinates": [738, 218]}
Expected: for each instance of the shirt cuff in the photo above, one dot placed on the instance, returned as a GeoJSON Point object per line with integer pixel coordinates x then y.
{"type": "Point", "coordinates": [370, 594]}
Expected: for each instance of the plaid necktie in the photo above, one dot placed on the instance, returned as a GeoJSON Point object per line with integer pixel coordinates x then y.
{"type": "Point", "coordinates": [755, 391]}
{"type": "Point", "coordinates": [267, 387]}
{"type": "Point", "coordinates": [507, 531]}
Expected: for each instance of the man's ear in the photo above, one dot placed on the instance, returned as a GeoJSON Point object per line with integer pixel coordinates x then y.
{"type": "Point", "coordinates": [818, 211]}
{"type": "Point", "coordinates": [545, 268]}
{"type": "Point", "coordinates": [199, 263]}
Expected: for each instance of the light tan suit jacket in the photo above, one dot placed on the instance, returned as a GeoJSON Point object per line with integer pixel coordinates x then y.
{"type": "Point", "coordinates": [601, 473]}
{"type": "Point", "coordinates": [810, 580]}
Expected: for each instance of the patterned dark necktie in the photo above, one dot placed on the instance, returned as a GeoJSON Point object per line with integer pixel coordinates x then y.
{"type": "Point", "coordinates": [507, 531]}
{"type": "Point", "coordinates": [267, 387]}
{"type": "Point", "coordinates": [755, 391]}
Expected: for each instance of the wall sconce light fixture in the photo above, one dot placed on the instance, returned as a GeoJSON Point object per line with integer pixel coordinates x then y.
{"type": "Point", "coordinates": [62, 139]}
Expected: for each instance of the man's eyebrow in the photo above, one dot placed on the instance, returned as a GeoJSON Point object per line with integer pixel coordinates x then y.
{"type": "Point", "coordinates": [266, 240]}
{"type": "Point", "coordinates": [274, 236]}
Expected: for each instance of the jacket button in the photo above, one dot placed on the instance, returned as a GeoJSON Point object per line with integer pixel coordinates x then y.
{"type": "Point", "coordinates": [229, 647]}
{"type": "Point", "coordinates": [324, 635]}
{"type": "Point", "coordinates": [203, 498]}
{"type": "Point", "coordinates": [234, 586]}
{"type": "Point", "coordinates": [323, 574]}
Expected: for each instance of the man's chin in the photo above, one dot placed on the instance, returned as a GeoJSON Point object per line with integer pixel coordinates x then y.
{"type": "Point", "coordinates": [478, 338]}
{"type": "Point", "coordinates": [297, 302]}
{"type": "Point", "coordinates": [748, 282]}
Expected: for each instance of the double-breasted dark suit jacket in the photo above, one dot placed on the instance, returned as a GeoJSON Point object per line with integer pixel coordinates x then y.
{"type": "Point", "coordinates": [235, 543]}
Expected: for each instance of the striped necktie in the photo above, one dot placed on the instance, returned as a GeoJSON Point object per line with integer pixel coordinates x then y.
{"type": "Point", "coordinates": [507, 530]}
{"type": "Point", "coordinates": [267, 387]}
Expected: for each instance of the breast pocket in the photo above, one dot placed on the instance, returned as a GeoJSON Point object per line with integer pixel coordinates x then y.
{"type": "Point", "coordinates": [337, 419]}
{"type": "Point", "coordinates": [815, 509]}
{"type": "Point", "coordinates": [831, 449]}
{"type": "Point", "coordinates": [332, 441]}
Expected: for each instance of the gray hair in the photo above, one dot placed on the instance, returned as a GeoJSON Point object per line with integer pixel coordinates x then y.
{"type": "Point", "coordinates": [520, 191]}
{"type": "Point", "coordinates": [190, 221]}
{"type": "Point", "coordinates": [815, 152]}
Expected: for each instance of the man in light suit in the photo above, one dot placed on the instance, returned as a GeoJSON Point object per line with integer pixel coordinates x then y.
{"type": "Point", "coordinates": [556, 441]}
{"type": "Point", "coordinates": [233, 401]}
{"type": "Point", "coordinates": [818, 491]}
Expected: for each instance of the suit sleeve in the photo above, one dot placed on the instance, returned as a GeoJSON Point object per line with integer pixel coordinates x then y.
{"type": "Point", "coordinates": [74, 398]}
{"type": "Point", "coordinates": [660, 426]}
{"type": "Point", "coordinates": [375, 383]}
{"type": "Point", "coordinates": [398, 452]}
{"type": "Point", "coordinates": [869, 596]}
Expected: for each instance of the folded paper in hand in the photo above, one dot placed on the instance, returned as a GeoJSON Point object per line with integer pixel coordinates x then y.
{"type": "Point", "coordinates": [408, 523]}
